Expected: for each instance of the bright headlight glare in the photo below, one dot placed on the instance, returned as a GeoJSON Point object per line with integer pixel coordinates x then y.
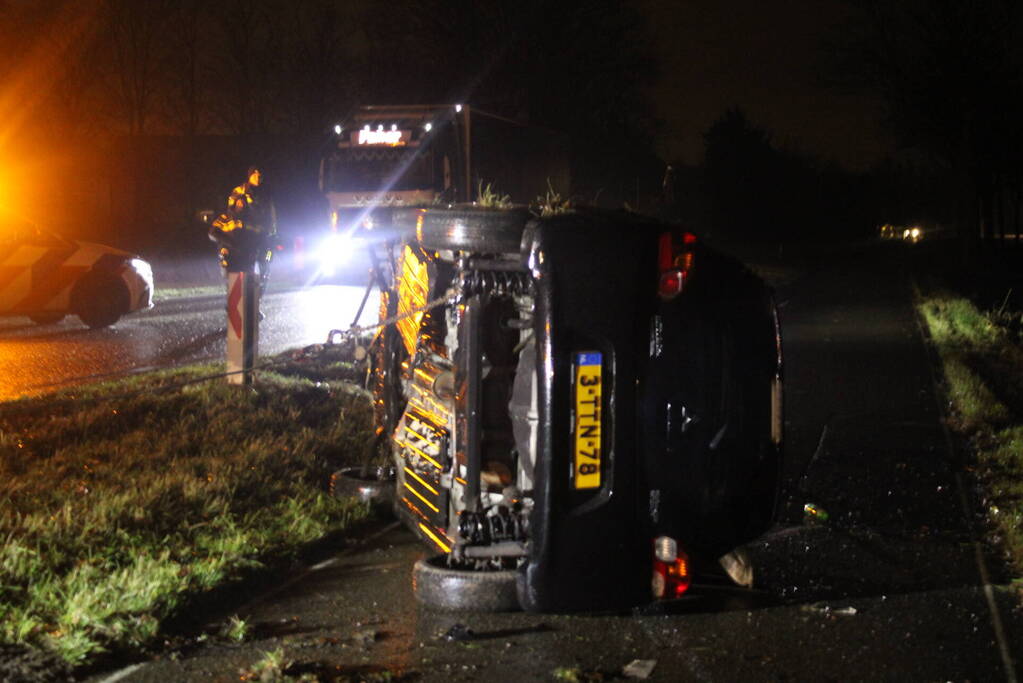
{"type": "Point", "coordinates": [336, 250]}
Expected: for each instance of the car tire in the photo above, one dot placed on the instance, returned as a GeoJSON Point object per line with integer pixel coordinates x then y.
{"type": "Point", "coordinates": [99, 300]}
{"type": "Point", "coordinates": [46, 318]}
{"type": "Point", "coordinates": [476, 230]}
{"type": "Point", "coordinates": [437, 586]}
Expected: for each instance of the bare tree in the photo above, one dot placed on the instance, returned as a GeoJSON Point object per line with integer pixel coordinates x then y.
{"type": "Point", "coordinates": [247, 64]}
{"type": "Point", "coordinates": [139, 51]}
{"type": "Point", "coordinates": [187, 71]}
{"type": "Point", "coordinates": [48, 65]}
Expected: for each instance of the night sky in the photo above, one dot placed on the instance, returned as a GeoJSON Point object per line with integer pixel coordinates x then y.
{"type": "Point", "coordinates": [767, 58]}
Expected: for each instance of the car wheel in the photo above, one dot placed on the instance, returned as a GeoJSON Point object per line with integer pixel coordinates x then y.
{"type": "Point", "coordinates": [46, 318]}
{"type": "Point", "coordinates": [438, 586]}
{"type": "Point", "coordinates": [99, 300]}
{"type": "Point", "coordinates": [479, 230]}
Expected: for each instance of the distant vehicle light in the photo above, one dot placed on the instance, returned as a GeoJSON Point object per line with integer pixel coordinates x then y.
{"type": "Point", "coordinates": [458, 109]}
{"type": "Point", "coordinates": [338, 129]}
{"type": "Point", "coordinates": [428, 127]}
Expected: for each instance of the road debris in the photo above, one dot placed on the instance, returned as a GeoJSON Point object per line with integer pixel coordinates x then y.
{"type": "Point", "coordinates": [823, 608]}
{"type": "Point", "coordinates": [365, 638]}
{"type": "Point", "coordinates": [639, 668]}
{"type": "Point", "coordinates": [459, 633]}
{"type": "Point", "coordinates": [814, 514]}
{"type": "Point", "coordinates": [738, 566]}
{"type": "Point", "coordinates": [575, 674]}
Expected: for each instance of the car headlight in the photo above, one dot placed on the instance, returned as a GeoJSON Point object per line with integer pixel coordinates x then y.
{"type": "Point", "coordinates": [144, 270]}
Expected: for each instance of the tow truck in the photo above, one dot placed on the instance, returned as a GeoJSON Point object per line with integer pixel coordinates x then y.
{"type": "Point", "coordinates": [383, 158]}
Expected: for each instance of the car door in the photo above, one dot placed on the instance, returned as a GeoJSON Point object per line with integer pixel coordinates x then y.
{"type": "Point", "coordinates": [34, 275]}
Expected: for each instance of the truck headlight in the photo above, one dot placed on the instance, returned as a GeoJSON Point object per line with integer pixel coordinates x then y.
{"type": "Point", "coordinates": [336, 250]}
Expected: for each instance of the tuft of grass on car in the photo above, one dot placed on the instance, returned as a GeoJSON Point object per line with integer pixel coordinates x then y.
{"type": "Point", "coordinates": [123, 500]}
{"type": "Point", "coordinates": [983, 367]}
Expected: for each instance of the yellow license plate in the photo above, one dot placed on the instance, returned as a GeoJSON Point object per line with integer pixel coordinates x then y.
{"type": "Point", "coordinates": [588, 407]}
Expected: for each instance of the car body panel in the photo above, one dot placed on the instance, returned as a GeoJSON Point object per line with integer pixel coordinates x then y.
{"type": "Point", "coordinates": [39, 272]}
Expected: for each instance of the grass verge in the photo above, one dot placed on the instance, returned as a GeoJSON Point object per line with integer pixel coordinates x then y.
{"type": "Point", "coordinates": [122, 501]}
{"type": "Point", "coordinates": [983, 367]}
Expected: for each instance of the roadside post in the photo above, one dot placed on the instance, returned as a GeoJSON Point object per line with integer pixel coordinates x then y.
{"type": "Point", "coordinates": [239, 253]}
{"type": "Point", "coordinates": [242, 324]}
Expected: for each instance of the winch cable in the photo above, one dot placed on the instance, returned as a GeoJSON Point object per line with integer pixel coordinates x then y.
{"type": "Point", "coordinates": [450, 296]}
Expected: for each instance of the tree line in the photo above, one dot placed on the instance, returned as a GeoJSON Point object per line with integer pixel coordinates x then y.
{"type": "Point", "coordinates": [245, 67]}
{"type": "Point", "coordinates": [274, 75]}
{"type": "Point", "coordinates": [950, 73]}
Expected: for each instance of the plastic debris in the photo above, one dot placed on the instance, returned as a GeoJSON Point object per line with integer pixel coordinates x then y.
{"type": "Point", "coordinates": [738, 566]}
{"type": "Point", "coordinates": [458, 633]}
{"type": "Point", "coordinates": [814, 513]}
{"type": "Point", "coordinates": [639, 668]}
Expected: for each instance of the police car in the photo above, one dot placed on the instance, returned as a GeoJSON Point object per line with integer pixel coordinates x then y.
{"type": "Point", "coordinates": [46, 277]}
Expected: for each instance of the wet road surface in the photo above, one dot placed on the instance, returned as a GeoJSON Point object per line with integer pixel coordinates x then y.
{"type": "Point", "coordinates": [890, 588]}
{"type": "Point", "coordinates": [35, 359]}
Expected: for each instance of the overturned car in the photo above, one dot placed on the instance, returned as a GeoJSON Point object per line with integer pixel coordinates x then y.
{"type": "Point", "coordinates": [579, 407]}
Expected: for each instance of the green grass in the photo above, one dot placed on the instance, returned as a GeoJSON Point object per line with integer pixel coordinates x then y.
{"type": "Point", "coordinates": [487, 198]}
{"type": "Point", "coordinates": [552, 203]}
{"type": "Point", "coordinates": [118, 508]}
{"type": "Point", "coordinates": [983, 369]}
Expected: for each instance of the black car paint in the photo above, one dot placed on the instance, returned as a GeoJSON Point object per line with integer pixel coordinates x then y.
{"type": "Point", "coordinates": [597, 290]}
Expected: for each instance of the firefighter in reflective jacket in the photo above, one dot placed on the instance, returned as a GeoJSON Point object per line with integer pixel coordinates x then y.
{"type": "Point", "coordinates": [246, 230]}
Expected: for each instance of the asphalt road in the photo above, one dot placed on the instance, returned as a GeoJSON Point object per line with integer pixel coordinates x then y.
{"type": "Point", "coordinates": [895, 586]}
{"type": "Point", "coordinates": [35, 359]}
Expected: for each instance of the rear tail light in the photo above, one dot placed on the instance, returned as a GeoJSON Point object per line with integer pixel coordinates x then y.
{"type": "Point", "coordinates": [675, 258]}
{"type": "Point", "coordinates": [670, 577]}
